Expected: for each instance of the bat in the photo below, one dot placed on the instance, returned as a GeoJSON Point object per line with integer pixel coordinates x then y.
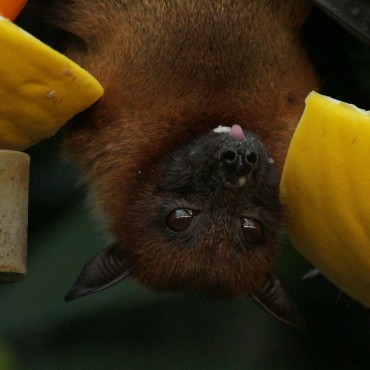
{"type": "Point", "coordinates": [183, 154]}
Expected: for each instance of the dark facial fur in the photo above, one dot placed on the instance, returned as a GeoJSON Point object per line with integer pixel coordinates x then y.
{"type": "Point", "coordinates": [172, 71]}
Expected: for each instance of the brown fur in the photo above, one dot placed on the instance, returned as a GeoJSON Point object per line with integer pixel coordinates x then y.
{"type": "Point", "coordinates": [172, 70]}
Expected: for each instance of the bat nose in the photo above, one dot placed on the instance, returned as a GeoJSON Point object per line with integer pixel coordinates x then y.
{"type": "Point", "coordinates": [236, 165]}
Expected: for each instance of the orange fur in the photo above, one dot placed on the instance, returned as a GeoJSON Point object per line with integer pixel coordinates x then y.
{"type": "Point", "coordinates": [175, 69]}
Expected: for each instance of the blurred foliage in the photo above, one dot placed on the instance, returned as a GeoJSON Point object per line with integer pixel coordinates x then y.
{"type": "Point", "coordinates": [6, 357]}
{"type": "Point", "coordinates": [129, 327]}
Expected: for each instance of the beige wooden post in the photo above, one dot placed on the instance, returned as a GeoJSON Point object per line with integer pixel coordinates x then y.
{"type": "Point", "coordinates": [14, 175]}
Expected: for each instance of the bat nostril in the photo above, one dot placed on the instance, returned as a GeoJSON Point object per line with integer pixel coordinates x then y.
{"type": "Point", "coordinates": [229, 162]}
{"type": "Point", "coordinates": [228, 155]}
{"type": "Point", "coordinates": [251, 158]}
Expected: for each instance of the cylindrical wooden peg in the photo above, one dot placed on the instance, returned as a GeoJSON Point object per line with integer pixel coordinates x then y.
{"type": "Point", "coordinates": [14, 176]}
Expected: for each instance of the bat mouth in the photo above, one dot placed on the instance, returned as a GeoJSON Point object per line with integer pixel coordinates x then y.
{"type": "Point", "coordinates": [235, 131]}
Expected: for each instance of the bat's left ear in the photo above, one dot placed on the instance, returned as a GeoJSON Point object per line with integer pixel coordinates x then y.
{"type": "Point", "coordinates": [104, 270]}
{"type": "Point", "coordinates": [273, 297]}
{"type": "Point", "coordinates": [353, 15]}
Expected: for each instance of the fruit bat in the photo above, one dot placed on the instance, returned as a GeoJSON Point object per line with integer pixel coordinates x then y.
{"type": "Point", "coordinates": [183, 153]}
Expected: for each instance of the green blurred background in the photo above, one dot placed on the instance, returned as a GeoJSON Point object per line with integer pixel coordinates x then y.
{"type": "Point", "coordinates": [130, 327]}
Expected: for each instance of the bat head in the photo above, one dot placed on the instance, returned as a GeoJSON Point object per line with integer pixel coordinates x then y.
{"type": "Point", "coordinates": [213, 213]}
{"type": "Point", "coordinates": [204, 218]}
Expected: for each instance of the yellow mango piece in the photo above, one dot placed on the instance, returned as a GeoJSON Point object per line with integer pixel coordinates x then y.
{"type": "Point", "coordinates": [325, 190]}
{"type": "Point", "coordinates": [40, 89]}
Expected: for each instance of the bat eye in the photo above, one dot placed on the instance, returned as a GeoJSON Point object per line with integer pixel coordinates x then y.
{"type": "Point", "coordinates": [180, 219]}
{"type": "Point", "coordinates": [252, 230]}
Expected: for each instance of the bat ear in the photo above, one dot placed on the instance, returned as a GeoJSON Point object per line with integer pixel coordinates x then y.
{"type": "Point", "coordinates": [273, 297]}
{"type": "Point", "coordinates": [104, 270]}
{"type": "Point", "coordinates": [353, 15]}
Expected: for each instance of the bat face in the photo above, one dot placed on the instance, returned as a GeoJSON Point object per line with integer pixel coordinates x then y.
{"type": "Point", "coordinates": [206, 218]}
{"type": "Point", "coordinates": [203, 218]}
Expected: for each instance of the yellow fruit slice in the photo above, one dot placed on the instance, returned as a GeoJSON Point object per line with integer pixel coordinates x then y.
{"type": "Point", "coordinates": [40, 89]}
{"type": "Point", "coordinates": [325, 190]}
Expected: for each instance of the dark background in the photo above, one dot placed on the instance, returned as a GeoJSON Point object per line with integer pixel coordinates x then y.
{"type": "Point", "coordinates": [130, 327]}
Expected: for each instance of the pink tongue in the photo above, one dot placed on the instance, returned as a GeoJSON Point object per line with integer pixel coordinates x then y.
{"type": "Point", "coordinates": [237, 132]}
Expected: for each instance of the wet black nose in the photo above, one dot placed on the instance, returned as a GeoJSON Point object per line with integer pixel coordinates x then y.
{"type": "Point", "coordinates": [236, 165]}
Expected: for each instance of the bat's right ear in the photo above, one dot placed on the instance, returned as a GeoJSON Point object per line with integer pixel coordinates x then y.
{"type": "Point", "coordinates": [273, 298]}
{"type": "Point", "coordinates": [102, 271]}
{"type": "Point", "coordinates": [353, 15]}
